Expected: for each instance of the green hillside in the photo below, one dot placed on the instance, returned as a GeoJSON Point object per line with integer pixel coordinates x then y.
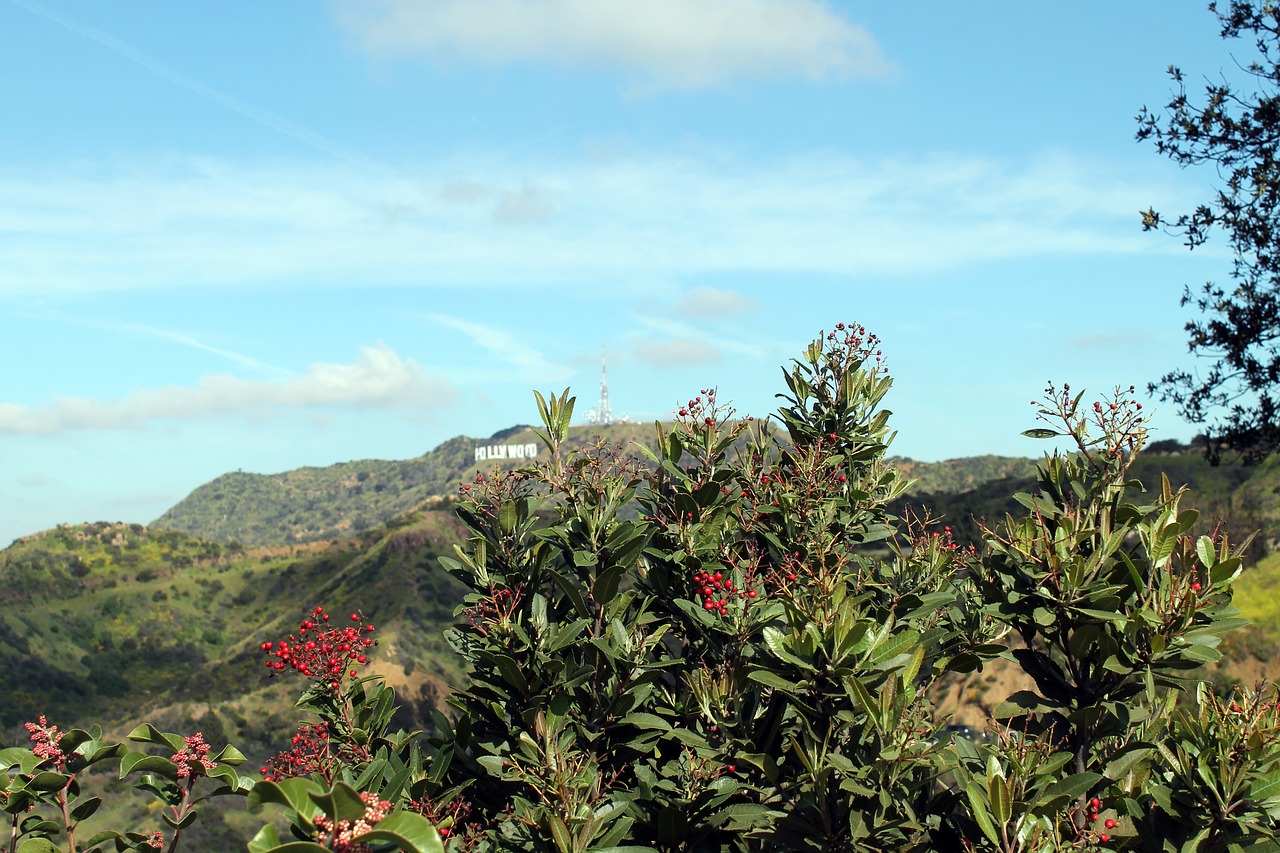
{"type": "Point", "coordinates": [114, 622]}
{"type": "Point", "coordinates": [1244, 498]}
{"type": "Point", "coordinates": [953, 476]}
{"type": "Point", "coordinates": [320, 504]}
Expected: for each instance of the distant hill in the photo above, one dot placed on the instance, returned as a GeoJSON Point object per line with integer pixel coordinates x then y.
{"type": "Point", "coordinates": [1243, 498]}
{"type": "Point", "coordinates": [320, 504]}
{"type": "Point", "coordinates": [959, 475]}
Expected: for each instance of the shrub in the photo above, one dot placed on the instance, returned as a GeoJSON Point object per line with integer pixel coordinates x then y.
{"type": "Point", "coordinates": [745, 663]}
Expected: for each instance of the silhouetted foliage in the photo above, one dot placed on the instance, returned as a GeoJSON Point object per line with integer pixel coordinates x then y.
{"type": "Point", "coordinates": [1234, 129]}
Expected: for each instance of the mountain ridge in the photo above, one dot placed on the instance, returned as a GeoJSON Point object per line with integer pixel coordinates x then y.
{"type": "Point", "coordinates": [312, 504]}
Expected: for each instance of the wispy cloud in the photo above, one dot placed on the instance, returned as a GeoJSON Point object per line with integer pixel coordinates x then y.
{"type": "Point", "coordinates": [377, 379]}
{"type": "Point", "coordinates": [519, 358]}
{"type": "Point", "coordinates": [683, 44]}
{"type": "Point", "coordinates": [713, 340]}
{"type": "Point", "coordinates": [182, 338]}
{"type": "Point", "coordinates": [268, 119]}
{"type": "Point", "coordinates": [623, 222]}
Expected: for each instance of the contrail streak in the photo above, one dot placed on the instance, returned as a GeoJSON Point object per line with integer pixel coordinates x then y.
{"type": "Point", "coordinates": [268, 119]}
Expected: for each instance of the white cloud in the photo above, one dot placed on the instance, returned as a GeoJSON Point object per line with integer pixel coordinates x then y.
{"type": "Point", "coordinates": [377, 379]}
{"type": "Point", "coordinates": [674, 353]}
{"type": "Point", "coordinates": [670, 43]}
{"type": "Point", "coordinates": [710, 302]}
{"type": "Point", "coordinates": [622, 223]}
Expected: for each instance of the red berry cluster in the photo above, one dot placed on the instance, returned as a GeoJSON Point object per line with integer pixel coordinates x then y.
{"type": "Point", "coordinates": [698, 409]}
{"type": "Point", "coordinates": [1095, 806]}
{"type": "Point", "coordinates": [46, 738]}
{"type": "Point", "coordinates": [310, 752]}
{"type": "Point", "coordinates": [717, 591]}
{"type": "Point", "coordinates": [322, 653]}
{"type": "Point", "coordinates": [193, 759]}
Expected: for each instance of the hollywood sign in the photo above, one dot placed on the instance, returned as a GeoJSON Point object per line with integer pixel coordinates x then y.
{"type": "Point", "coordinates": [506, 451]}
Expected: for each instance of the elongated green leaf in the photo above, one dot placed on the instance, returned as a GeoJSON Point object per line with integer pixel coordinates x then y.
{"type": "Point", "coordinates": [978, 808]}
{"type": "Point", "coordinates": [1001, 799]}
{"type": "Point", "coordinates": [1072, 787]}
{"type": "Point", "coordinates": [1205, 551]}
{"type": "Point", "coordinates": [776, 642]}
{"type": "Point", "coordinates": [772, 679]}
{"type": "Point", "coordinates": [560, 834]}
{"type": "Point", "coordinates": [1125, 760]}
{"type": "Point", "coordinates": [885, 651]}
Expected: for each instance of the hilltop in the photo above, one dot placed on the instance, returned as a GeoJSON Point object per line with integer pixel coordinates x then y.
{"type": "Point", "coordinates": [320, 504]}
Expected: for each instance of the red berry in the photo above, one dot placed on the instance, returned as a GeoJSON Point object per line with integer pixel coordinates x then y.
{"type": "Point", "coordinates": [1104, 838]}
{"type": "Point", "coordinates": [1110, 824]}
{"type": "Point", "coordinates": [1195, 585]}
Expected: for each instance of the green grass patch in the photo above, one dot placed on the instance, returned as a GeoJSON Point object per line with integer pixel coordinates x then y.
{"type": "Point", "coordinates": [1258, 594]}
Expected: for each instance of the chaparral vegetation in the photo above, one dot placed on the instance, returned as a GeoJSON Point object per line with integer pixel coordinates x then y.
{"type": "Point", "coordinates": [730, 643]}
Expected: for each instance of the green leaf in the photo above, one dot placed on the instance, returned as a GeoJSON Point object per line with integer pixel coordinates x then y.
{"type": "Point", "coordinates": [230, 755]}
{"type": "Point", "coordinates": [147, 733]}
{"type": "Point", "coordinates": [48, 781]}
{"type": "Point", "coordinates": [85, 808]}
{"type": "Point", "coordinates": [646, 721]}
{"type": "Point", "coordinates": [38, 845]}
{"type": "Point", "coordinates": [885, 652]}
{"type": "Point", "coordinates": [1076, 785]}
{"type": "Point", "coordinates": [978, 807]}
{"type": "Point", "coordinates": [143, 763]}
{"type": "Point", "coordinates": [776, 642]}
{"type": "Point", "coordinates": [1124, 760]}
{"type": "Point", "coordinates": [294, 794]}
{"type": "Point", "coordinates": [1205, 551]}
{"type": "Point", "coordinates": [560, 834]}
{"type": "Point", "coordinates": [1001, 799]}
{"type": "Point", "coordinates": [1265, 787]}
{"type": "Point", "coordinates": [412, 832]}
{"type": "Point", "coordinates": [508, 517]}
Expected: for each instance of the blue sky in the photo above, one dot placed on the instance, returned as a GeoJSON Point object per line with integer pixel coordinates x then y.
{"type": "Point", "coordinates": [247, 235]}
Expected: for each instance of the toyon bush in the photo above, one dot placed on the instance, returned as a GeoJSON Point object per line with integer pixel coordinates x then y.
{"type": "Point", "coordinates": [730, 645]}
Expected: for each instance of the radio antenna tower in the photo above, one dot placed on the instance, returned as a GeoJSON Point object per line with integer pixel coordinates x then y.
{"type": "Point", "coordinates": [604, 416]}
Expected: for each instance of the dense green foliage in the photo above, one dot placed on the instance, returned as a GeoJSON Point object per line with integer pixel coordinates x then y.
{"type": "Point", "coordinates": [746, 667]}
{"type": "Point", "coordinates": [746, 663]}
